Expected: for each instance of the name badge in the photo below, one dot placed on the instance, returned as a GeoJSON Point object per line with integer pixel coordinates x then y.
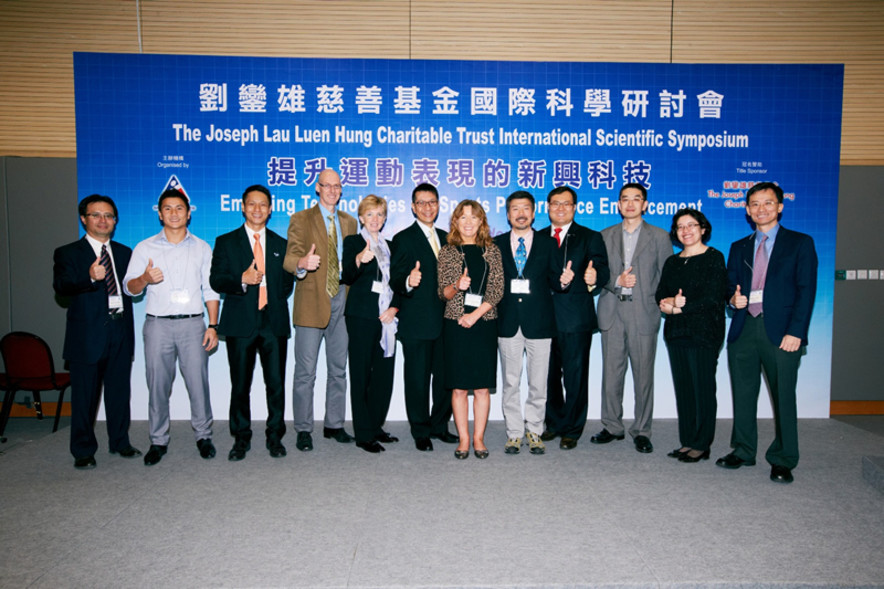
{"type": "Point", "coordinates": [115, 302]}
{"type": "Point", "coordinates": [520, 286]}
{"type": "Point", "coordinates": [472, 300]}
{"type": "Point", "coordinates": [180, 296]}
{"type": "Point", "coordinates": [377, 287]}
{"type": "Point", "coordinates": [756, 296]}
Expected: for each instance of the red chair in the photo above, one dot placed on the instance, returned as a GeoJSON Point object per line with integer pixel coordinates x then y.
{"type": "Point", "coordinates": [29, 367]}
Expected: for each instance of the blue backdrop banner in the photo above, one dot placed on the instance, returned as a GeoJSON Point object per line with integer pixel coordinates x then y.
{"type": "Point", "coordinates": [694, 135]}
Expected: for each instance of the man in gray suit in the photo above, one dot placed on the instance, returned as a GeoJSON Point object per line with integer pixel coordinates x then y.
{"type": "Point", "coordinates": [629, 317]}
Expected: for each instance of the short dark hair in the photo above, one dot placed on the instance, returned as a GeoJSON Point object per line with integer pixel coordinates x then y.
{"type": "Point", "coordinates": [517, 195]}
{"type": "Point", "coordinates": [424, 187]}
{"type": "Point", "coordinates": [172, 193]}
{"type": "Point", "coordinates": [562, 190]}
{"type": "Point", "coordinates": [635, 185]}
{"type": "Point", "coordinates": [765, 186]}
{"type": "Point", "coordinates": [696, 216]}
{"type": "Point", "coordinates": [257, 188]}
{"type": "Point", "coordinates": [92, 198]}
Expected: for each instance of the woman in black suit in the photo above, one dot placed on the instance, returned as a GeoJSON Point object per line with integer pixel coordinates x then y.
{"type": "Point", "coordinates": [691, 293]}
{"type": "Point", "coordinates": [370, 316]}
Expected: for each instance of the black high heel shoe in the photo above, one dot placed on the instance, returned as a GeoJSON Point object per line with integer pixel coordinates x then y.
{"type": "Point", "coordinates": [481, 454]}
{"type": "Point", "coordinates": [461, 454]}
{"type": "Point", "coordinates": [688, 458]}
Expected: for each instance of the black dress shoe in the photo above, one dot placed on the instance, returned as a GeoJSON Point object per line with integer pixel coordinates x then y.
{"type": "Point", "coordinates": [277, 450]}
{"type": "Point", "coordinates": [84, 463]}
{"type": "Point", "coordinates": [781, 474]}
{"type": "Point", "coordinates": [371, 446]}
{"type": "Point", "coordinates": [238, 452]}
{"type": "Point", "coordinates": [338, 434]}
{"type": "Point", "coordinates": [686, 457]}
{"type": "Point", "coordinates": [548, 435]}
{"type": "Point", "coordinates": [423, 444]}
{"type": "Point", "coordinates": [678, 453]}
{"type": "Point", "coordinates": [386, 438]}
{"type": "Point", "coordinates": [305, 442]}
{"type": "Point", "coordinates": [604, 436]}
{"type": "Point", "coordinates": [568, 444]}
{"type": "Point", "coordinates": [127, 452]}
{"type": "Point", "coordinates": [446, 436]}
{"type": "Point", "coordinates": [481, 454]}
{"type": "Point", "coordinates": [643, 444]}
{"type": "Point", "coordinates": [732, 461]}
{"type": "Point", "coordinates": [206, 448]}
{"type": "Point", "coordinates": [154, 454]}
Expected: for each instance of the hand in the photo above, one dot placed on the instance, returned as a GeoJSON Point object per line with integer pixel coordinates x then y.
{"type": "Point", "coordinates": [387, 316]}
{"type": "Point", "coordinates": [97, 271]}
{"type": "Point", "coordinates": [311, 261]}
{"type": "Point", "coordinates": [626, 279]}
{"type": "Point", "coordinates": [591, 275]}
{"type": "Point", "coordinates": [790, 343]}
{"type": "Point", "coordinates": [365, 256]}
{"type": "Point", "coordinates": [739, 301]}
{"type": "Point", "coordinates": [210, 339]}
{"type": "Point", "coordinates": [679, 300]}
{"type": "Point", "coordinates": [463, 283]}
{"type": "Point", "coordinates": [252, 275]}
{"type": "Point", "coordinates": [152, 275]}
{"type": "Point", "coordinates": [467, 321]}
{"type": "Point", "coordinates": [414, 277]}
{"type": "Point", "coordinates": [666, 306]}
{"type": "Point", "coordinates": [567, 275]}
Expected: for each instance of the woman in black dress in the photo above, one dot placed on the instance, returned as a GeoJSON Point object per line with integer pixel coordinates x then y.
{"type": "Point", "coordinates": [370, 316]}
{"type": "Point", "coordinates": [692, 294]}
{"type": "Point", "coordinates": [471, 281]}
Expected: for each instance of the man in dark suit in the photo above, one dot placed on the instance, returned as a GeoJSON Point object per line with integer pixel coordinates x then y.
{"type": "Point", "coordinates": [247, 270]}
{"type": "Point", "coordinates": [772, 287]}
{"type": "Point", "coordinates": [99, 338]}
{"type": "Point", "coordinates": [526, 322]}
{"type": "Point", "coordinates": [413, 275]}
{"type": "Point", "coordinates": [313, 255]}
{"type": "Point", "coordinates": [580, 252]}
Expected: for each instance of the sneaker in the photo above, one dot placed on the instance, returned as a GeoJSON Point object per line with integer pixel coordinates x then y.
{"type": "Point", "coordinates": [512, 445]}
{"type": "Point", "coordinates": [535, 443]}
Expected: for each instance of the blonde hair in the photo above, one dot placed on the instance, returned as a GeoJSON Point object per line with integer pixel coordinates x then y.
{"type": "Point", "coordinates": [483, 235]}
{"type": "Point", "coordinates": [372, 201]}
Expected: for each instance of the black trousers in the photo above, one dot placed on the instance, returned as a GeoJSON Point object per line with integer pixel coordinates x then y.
{"type": "Point", "coordinates": [371, 377]}
{"type": "Point", "coordinates": [567, 395]}
{"type": "Point", "coordinates": [693, 376]}
{"type": "Point", "coordinates": [423, 360]}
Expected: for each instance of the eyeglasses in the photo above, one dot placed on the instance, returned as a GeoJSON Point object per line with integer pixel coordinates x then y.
{"type": "Point", "coordinates": [688, 226]}
{"type": "Point", "coordinates": [426, 204]}
{"type": "Point", "coordinates": [105, 216]}
{"type": "Point", "coordinates": [561, 204]}
{"type": "Point", "coordinates": [768, 204]}
{"type": "Point", "coordinates": [330, 186]}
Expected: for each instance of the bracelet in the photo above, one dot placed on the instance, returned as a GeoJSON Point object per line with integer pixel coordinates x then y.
{"type": "Point", "coordinates": [213, 326]}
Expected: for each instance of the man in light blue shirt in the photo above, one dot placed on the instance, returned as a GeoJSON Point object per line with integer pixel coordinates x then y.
{"type": "Point", "coordinates": [173, 268]}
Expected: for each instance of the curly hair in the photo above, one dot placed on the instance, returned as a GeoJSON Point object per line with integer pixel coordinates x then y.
{"type": "Point", "coordinates": [483, 235]}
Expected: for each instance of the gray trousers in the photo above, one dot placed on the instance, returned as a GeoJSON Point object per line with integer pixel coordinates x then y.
{"type": "Point", "coordinates": [165, 341]}
{"type": "Point", "coordinates": [621, 345]}
{"type": "Point", "coordinates": [307, 343]}
{"type": "Point", "coordinates": [511, 350]}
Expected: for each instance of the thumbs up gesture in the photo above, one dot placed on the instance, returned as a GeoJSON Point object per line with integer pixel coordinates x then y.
{"type": "Point", "coordinates": [627, 278]}
{"type": "Point", "coordinates": [311, 261]}
{"type": "Point", "coordinates": [414, 277]}
{"type": "Point", "coordinates": [97, 271]}
{"type": "Point", "coordinates": [152, 275]}
{"type": "Point", "coordinates": [252, 275]}
{"type": "Point", "coordinates": [463, 283]}
{"type": "Point", "coordinates": [590, 276]}
{"type": "Point", "coordinates": [365, 256]}
{"type": "Point", "coordinates": [679, 300]}
{"type": "Point", "coordinates": [739, 300]}
{"type": "Point", "coordinates": [567, 275]}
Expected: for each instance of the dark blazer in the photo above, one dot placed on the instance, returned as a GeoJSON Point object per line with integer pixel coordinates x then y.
{"type": "Point", "coordinates": [88, 309]}
{"type": "Point", "coordinates": [230, 258]}
{"type": "Point", "coordinates": [532, 312]}
{"type": "Point", "coordinates": [574, 307]}
{"type": "Point", "coordinates": [789, 287]}
{"type": "Point", "coordinates": [420, 311]}
{"type": "Point", "coordinates": [361, 301]}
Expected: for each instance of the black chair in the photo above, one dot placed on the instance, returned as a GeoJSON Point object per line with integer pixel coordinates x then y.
{"type": "Point", "coordinates": [29, 367]}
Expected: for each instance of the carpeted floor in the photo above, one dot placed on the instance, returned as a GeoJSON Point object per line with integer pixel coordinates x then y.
{"type": "Point", "coordinates": [595, 516]}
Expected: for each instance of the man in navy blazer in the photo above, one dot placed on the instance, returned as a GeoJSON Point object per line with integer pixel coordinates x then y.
{"type": "Point", "coordinates": [771, 287]}
{"type": "Point", "coordinates": [99, 337]}
{"type": "Point", "coordinates": [581, 252]}
{"type": "Point", "coordinates": [247, 270]}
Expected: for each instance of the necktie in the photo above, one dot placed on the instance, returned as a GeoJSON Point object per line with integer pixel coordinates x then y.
{"type": "Point", "coordinates": [558, 235]}
{"type": "Point", "coordinates": [521, 256]}
{"type": "Point", "coordinates": [332, 281]}
{"type": "Point", "coordinates": [759, 272]}
{"type": "Point", "coordinates": [434, 244]}
{"type": "Point", "coordinates": [258, 252]}
{"type": "Point", "coordinates": [110, 280]}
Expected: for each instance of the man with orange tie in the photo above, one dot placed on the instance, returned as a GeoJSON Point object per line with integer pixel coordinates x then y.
{"type": "Point", "coordinates": [247, 270]}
